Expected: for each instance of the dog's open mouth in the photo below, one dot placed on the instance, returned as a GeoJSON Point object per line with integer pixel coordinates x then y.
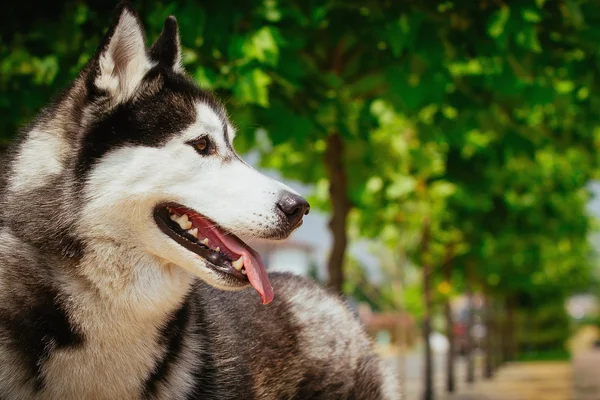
{"type": "Point", "coordinates": [224, 251]}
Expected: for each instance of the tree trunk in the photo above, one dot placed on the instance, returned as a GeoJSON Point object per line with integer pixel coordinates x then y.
{"type": "Point", "coordinates": [340, 207]}
{"type": "Point", "coordinates": [488, 366]}
{"type": "Point", "coordinates": [497, 344]}
{"type": "Point", "coordinates": [502, 331]}
{"type": "Point", "coordinates": [450, 375]}
{"type": "Point", "coordinates": [509, 334]}
{"type": "Point", "coordinates": [428, 372]}
{"type": "Point", "coordinates": [404, 326]}
{"type": "Point", "coordinates": [469, 342]}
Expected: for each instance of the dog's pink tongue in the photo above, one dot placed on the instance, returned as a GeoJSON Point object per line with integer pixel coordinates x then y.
{"type": "Point", "coordinates": [257, 275]}
{"type": "Point", "coordinates": [255, 268]}
{"type": "Point", "coordinates": [234, 248]}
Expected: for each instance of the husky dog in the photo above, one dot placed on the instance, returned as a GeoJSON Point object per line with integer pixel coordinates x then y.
{"type": "Point", "coordinates": [122, 271]}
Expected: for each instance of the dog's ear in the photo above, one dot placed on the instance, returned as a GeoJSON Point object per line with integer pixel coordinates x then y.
{"type": "Point", "coordinates": [121, 59]}
{"type": "Point", "coordinates": [167, 49]}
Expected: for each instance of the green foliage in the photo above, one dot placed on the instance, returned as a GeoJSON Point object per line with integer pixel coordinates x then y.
{"type": "Point", "coordinates": [543, 328]}
{"type": "Point", "coordinates": [547, 355]}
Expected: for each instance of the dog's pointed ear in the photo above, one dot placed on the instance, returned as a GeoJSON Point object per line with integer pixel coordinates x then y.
{"type": "Point", "coordinates": [121, 58]}
{"type": "Point", "coordinates": [167, 49]}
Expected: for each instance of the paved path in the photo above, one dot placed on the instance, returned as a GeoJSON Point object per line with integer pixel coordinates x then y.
{"type": "Point", "coordinates": [586, 375]}
{"type": "Point", "coordinates": [523, 381]}
{"type": "Point", "coordinates": [578, 380]}
{"type": "Point", "coordinates": [409, 369]}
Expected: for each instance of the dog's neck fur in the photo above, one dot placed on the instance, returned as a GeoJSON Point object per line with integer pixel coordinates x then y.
{"type": "Point", "coordinates": [120, 299]}
{"type": "Point", "coordinates": [128, 280]}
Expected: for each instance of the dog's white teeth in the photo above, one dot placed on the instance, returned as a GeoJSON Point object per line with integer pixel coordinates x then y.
{"type": "Point", "coordinates": [173, 217]}
{"type": "Point", "coordinates": [218, 249]}
{"type": "Point", "coordinates": [244, 271]}
{"type": "Point", "coordinates": [204, 241]}
{"type": "Point", "coordinates": [185, 225]}
{"type": "Point", "coordinates": [238, 264]}
{"type": "Point", "coordinates": [184, 222]}
{"type": "Point", "coordinates": [194, 232]}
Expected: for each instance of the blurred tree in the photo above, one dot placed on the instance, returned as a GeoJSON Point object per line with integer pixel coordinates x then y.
{"type": "Point", "coordinates": [476, 81]}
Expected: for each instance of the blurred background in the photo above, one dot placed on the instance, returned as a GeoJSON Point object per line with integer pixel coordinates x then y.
{"type": "Point", "coordinates": [449, 150]}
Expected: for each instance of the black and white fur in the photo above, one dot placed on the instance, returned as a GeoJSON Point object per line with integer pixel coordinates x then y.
{"type": "Point", "coordinates": [97, 303]}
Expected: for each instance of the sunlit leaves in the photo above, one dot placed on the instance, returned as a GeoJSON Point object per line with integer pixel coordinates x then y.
{"type": "Point", "coordinates": [400, 187]}
{"type": "Point", "coordinates": [260, 46]}
{"type": "Point", "coordinates": [441, 189]}
{"type": "Point", "coordinates": [498, 22]}
{"type": "Point", "coordinates": [477, 141]}
{"type": "Point", "coordinates": [374, 185]}
{"type": "Point", "coordinates": [564, 86]}
{"type": "Point", "coordinates": [252, 87]}
{"type": "Point", "coordinates": [531, 15]}
{"type": "Point", "coordinates": [41, 70]}
{"type": "Point", "coordinates": [271, 10]}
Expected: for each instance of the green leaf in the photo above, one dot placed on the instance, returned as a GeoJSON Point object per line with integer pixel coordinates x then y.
{"type": "Point", "coordinates": [262, 46]}
{"type": "Point", "coordinates": [272, 12]}
{"type": "Point", "coordinates": [401, 186]}
{"type": "Point", "coordinates": [204, 77]}
{"type": "Point", "coordinates": [498, 21]}
{"type": "Point", "coordinates": [528, 39]}
{"type": "Point", "coordinates": [442, 189]}
{"type": "Point", "coordinates": [253, 87]}
{"type": "Point", "coordinates": [374, 184]}
{"type": "Point", "coordinates": [531, 15]}
{"type": "Point", "coordinates": [564, 87]}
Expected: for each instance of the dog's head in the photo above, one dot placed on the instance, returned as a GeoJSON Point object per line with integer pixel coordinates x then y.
{"type": "Point", "coordinates": [157, 168]}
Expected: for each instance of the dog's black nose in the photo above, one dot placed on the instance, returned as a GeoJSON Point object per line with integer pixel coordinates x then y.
{"type": "Point", "coordinates": [294, 207]}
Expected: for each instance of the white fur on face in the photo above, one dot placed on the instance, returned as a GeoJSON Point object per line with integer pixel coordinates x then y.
{"type": "Point", "coordinates": [38, 161]}
{"type": "Point", "coordinates": [125, 187]}
{"type": "Point", "coordinates": [123, 63]}
{"type": "Point", "coordinates": [232, 132]}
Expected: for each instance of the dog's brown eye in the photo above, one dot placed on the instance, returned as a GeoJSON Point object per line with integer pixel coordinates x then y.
{"type": "Point", "coordinates": [201, 145]}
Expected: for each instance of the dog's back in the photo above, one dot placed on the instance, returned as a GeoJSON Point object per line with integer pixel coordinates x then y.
{"type": "Point", "coordinates": [305, 346]}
